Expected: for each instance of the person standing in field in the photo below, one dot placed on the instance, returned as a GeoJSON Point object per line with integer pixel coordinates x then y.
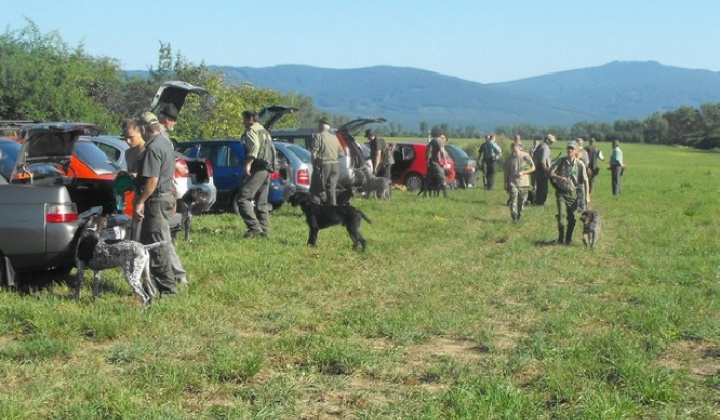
{"type": "Point", "coordinates": [517, 170]}
{"type": "Point", "coordinates": [617, 166]}
{"type": "Point", "coordinates": [582, 154]}
{"type": "Point", "coordinates": [154, 199]}
{"type": "Point", "coordinates": [541, 158]}
{"type": "Point", "coordinates": [326, 152]}
{"type": "Point", "coordinates": [378, 154]}
{"type": "Point", "coordinates": [168, 118]}
{"type": "Point", "coordinates": [594, 155]}
{"type": "Point", "coordinates": [489, 153]}
{"type": "Point", "coordinates": [569, 176]}
{"type": "Point", "coordinates": [259, 161]}
{"type": "Point", "coordinates": [533, 175]}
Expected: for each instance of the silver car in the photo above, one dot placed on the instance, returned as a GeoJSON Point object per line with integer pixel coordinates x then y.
{"type": "Point", "coordinates": [295, 168]}
{"type": "Point", "coordinates": [189, 173]}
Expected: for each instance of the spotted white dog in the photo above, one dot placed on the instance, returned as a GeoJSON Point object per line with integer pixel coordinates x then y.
{"type": "Point", "coordinates": [95, 254]}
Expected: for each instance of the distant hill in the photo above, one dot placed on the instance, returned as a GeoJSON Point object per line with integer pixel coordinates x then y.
{"type": "Point", "coordinates": [614, 91]}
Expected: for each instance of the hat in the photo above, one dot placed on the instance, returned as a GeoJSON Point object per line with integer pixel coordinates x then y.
{"type": "Point", "coordinates": [572, 144]}
{"type": "Point", "coordinates": [550, 138]}
{"type": "Point", "coordinates": [435, 132]}
{"type": "Point", "coordinates": [147, 118]}
{"type": "Point", "coordinates": [369, 133]}
{"type": "Point", "coordinates": [169, 110]}
{"type": "Point", "coordinates": [324, 120]}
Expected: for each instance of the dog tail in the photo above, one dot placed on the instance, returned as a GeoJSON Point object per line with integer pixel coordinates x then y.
{"type": "Point", "coordinates": [154, 245]}
{"type": "Point", "coordinates": [364, 216]}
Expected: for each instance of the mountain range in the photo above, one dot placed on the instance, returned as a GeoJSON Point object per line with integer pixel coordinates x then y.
{"type": "Point", "coordinates": [409, 96]}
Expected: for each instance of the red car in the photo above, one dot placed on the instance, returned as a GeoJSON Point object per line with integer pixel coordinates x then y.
{"type": "Point", "coordinates": [410, 167]}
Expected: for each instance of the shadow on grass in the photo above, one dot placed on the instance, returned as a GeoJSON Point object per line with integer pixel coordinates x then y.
{"type": "Point", "coordinates": [552, 242]}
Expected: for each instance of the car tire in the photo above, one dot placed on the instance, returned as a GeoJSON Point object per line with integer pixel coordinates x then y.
{"type": "Point", "coordinates": [413, 182]}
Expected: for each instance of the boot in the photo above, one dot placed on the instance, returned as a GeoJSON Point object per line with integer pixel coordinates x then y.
{"type": "Point", "coordinates": [569, 233]}
{"type": "Point", "coordinates": [561, 234]}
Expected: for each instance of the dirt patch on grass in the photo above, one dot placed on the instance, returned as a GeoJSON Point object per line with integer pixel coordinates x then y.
{"type": "Point", "coordinates": [699, 358]}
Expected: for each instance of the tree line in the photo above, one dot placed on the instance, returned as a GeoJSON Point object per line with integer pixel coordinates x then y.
{"type": "Point", "coordinates": [44, 79]}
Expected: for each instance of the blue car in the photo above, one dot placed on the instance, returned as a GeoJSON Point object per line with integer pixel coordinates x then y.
{"type": "Point", "coordinates": [228, 161]}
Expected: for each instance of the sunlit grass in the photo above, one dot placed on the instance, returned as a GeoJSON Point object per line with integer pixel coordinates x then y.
{"type": "Point", "coordinates": [453, 312]}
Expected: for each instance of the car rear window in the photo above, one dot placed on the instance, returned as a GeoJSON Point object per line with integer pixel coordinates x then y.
{"type": "Point", "coordinates": [301, 152]}
{"type": "Point", "coordinates": [95, 158]}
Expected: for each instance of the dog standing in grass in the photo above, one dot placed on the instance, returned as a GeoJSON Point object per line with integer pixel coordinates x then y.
{"type": "Point", "coordinates": [321, 216]}
{"type": "Point", "coordinates": [95, 254]}
{"type": "Point", "coordinates": [591, 227]}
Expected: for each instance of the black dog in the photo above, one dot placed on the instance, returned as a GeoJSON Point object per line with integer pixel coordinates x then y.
{"type": "Point", "coordinates": [591, 227]}
{"type": "Point", "coordinates": [321, 216]}
{"type": "Point", "coordinates": [184, 207]}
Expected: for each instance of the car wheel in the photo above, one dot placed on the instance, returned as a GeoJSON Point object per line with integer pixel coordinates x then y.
{"type": "Point", "coordinates": [413, 182]}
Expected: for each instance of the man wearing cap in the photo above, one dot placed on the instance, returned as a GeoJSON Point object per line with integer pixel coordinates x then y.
{"type": "Point", "coordinates": [326, 151]}
{"type": "Point", "coordinates": [541, 158]}
{"type": "Point", "coordinates": [154, 199]}
{"type": "Point", "coordinates": [168, 118]}
{"type": "Point", "coordinates": [259, 161]}
{"type": "Point", "coordinates": [569, 176]}
{"type": "Point", "coordinates": [517, 170]}
{"type": "Point", "coordinates": [378, 154]}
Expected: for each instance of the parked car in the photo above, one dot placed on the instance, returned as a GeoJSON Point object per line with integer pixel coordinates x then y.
{"type": "Point", "coordinates": [465, 167]}
{"type": "Point", "coordinates": [410, 167]}
{"type": "Point", "coordinates": [295, 169]}
{"type": "Point", "coordinates": [9, 150]}
{"type": "Point", "coordinates": [189, 173]}
{"type": "Point", "coordinates": [227, 158]}
{"type": "Point", "coordinates": [40, 209]}
{"type": "Point", "coordinates": [355, 156]}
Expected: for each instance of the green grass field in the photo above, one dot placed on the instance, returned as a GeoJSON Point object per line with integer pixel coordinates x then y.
{"type": "Point", "coordinates": [453, 312]}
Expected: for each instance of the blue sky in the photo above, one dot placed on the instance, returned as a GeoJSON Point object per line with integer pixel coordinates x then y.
{"type": "Point", "coordinates": [485, 41]}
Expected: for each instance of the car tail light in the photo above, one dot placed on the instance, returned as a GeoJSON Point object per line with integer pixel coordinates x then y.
{"type": "Point", "coordinates": [61, 213]}
{"type": "Point", "coordinates": [209, 167]}
{"type": "Point", "coordinates": [181, 169]}
{"type": "Point", "coordinates": [302, 177]}
{"type": "Point", "coordinates": [275, 175]}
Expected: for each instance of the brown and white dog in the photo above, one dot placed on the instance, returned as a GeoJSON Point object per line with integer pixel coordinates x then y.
{"type": "Point", "coordinates": [95, 254]}
{"type": "Point", "coordinates": [591, 227]}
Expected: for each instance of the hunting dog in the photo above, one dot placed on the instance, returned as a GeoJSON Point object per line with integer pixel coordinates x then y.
{"type": "Point", "coordinates": [375, 185]}
{"type": "Point", "coordinates": [184, 207]}
{"type": "Point", "coordinates": [321, 216]}
{"type": "Point", "coordinates": [591, 227]}
{"type": "Point", "coordinates": [95, 254]}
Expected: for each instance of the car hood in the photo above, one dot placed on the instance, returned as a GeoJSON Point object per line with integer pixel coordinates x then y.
{"type": "Point", "coordinates": [52, 142]}
{"type": "Point", "coordinates": [174, 92]}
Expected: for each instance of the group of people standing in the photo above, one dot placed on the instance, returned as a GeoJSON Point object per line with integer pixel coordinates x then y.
{"type": "Point", "coordinates": [528, 175]}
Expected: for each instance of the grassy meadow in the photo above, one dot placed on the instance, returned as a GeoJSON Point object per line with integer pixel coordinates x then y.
{"type": "Point", "coordinates": [453, 312]}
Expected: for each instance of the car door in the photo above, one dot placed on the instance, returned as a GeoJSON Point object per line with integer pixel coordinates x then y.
{"type": "Point", "coordinates": [228, 165]}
